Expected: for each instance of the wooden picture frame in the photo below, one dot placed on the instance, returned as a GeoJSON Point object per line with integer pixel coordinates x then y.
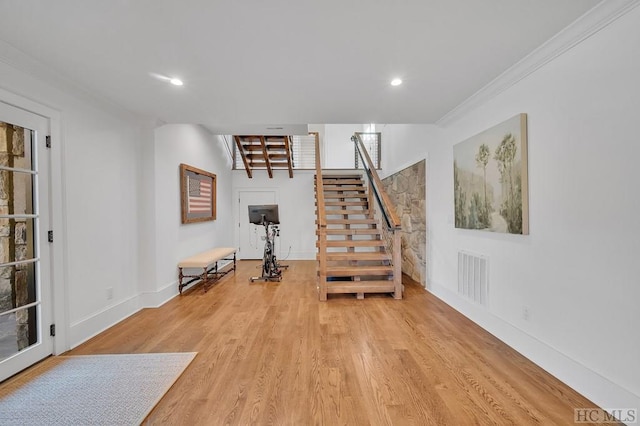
{"type": "Point", "coordinates": [198, 194]}
{"type": "Point", "coordinates": [490, 174]}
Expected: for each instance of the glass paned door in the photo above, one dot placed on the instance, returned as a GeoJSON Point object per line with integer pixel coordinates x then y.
{"type": "Point", "coordinates": [25, 293]}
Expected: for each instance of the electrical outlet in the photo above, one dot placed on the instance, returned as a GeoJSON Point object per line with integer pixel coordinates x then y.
{"type": "Point", "coordinates": [526, 313]}
{"type": "Point", "coordinates": [110, 293]}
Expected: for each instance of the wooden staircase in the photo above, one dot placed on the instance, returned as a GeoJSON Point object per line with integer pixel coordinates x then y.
{"type": "Point", "coordinates": [270, 152]}
{"type": "Point", "coordinates": [352, 255]}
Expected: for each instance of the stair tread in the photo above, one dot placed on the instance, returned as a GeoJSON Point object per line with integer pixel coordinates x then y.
{"type": "Point", "coordinates": [345, 203]}
{"type": "Point", "coordinates": [355, 243]}
{"type": "Point", "coordinates": [339, 176]}
{"type": "Point", "coordinates": [342, 186]}
{"type": "Point", "coordinates": [332, 196]}
{"type": "Point", "coordinates": [339, 212]}
{"type": "Point", "coordinates": [348, 271]}
{"type": "Point", "coordinates": [360, 200]}
{"type": "Point", "coordinates": [358, 286]}
{"type": "Point", "coordinates": [360, 189]}
{"type": "Point", "coordinates": [349, 221]}
{"type": "Point", "coordinates": [353, 231]}
{"type": "Point", "coordinates": [355, 256]}
{"type": "Point", "coordinates": [347, 183]}
{"type": "Point", "coordinates": [344, 194]}
{"type": "Point", "coordinates": [344, 198]}
{"type": "Point", "coordinates": [337, 241]}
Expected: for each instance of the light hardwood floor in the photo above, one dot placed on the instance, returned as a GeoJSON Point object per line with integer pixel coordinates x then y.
{"type": "Point", "coordinates": [271, 353]}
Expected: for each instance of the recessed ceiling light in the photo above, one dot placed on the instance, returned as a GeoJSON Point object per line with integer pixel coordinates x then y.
{"type": "Point", "coordinates": [396, 82]}
{"type": "Point", "coordinates": [176, 82]}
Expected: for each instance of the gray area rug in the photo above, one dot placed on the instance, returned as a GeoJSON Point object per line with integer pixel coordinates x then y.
{"type": "Point", "coordinates": [91, 390]}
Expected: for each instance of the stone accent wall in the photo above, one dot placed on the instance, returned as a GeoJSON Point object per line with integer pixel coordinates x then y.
{"type": "Point", "coordinates": [406, 189]}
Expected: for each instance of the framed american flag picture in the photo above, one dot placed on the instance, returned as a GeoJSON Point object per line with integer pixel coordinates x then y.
{"type": "Point", "coordinates": [198, 194]}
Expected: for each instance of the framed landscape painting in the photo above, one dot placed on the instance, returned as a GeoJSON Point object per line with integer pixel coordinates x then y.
{"type": "Point", "coordinates": [490, 179]}
{"type": "Point", "coordinates": [198, 194]}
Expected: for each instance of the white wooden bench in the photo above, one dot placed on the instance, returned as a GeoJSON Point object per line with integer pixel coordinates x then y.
{"type": "Point", "coordinates": [208, 262]}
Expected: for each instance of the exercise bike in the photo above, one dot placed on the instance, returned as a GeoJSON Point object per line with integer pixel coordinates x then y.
{"type": "Point", "coordinates": [268, 217]}
{"type": "Point", "coordinates": [270, 269]}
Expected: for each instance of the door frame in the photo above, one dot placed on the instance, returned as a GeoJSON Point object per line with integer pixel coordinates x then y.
{"type": "Point", "coordinates": [59, 301]}
{"type": "Point", "coordinates": [236, 208]}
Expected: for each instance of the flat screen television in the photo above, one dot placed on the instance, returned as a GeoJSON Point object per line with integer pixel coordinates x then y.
{"type": "Point", "coordinates": [266, 212]}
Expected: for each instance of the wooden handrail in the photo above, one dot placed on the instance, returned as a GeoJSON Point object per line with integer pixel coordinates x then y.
{"type": "Point", "coordinates": [383, 198]}
{"type": "Point", "coordinates": [322, 221]}
{"type": "Point", "coordinates": [322, 227]}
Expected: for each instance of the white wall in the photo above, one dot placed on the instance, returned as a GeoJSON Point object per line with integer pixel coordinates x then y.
{"type": "Point", "coordinates": [101, 158]}
{"type": "Point", "coordinates": [97, 214]}
{"type": "Point", "coordinates": [296, 207]}
{"type": "Point", "coordinates": [576, 271]}
{"type": "Point", "coordinates": [338, 149]}
{"type": "Point", "coordinates": [407, 144]}
{"type": "Point", "coordinates": [195, 146]}
{"type": "Point", "coordinates": [147, 283]}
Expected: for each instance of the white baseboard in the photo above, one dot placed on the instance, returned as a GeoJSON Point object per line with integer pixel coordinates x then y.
{"type": "Point", "coordinates": [91, 326]}
{"type": "Point", "coordinates": [587, 382]}
{"type": "Point", "coordinates": [155, 299]}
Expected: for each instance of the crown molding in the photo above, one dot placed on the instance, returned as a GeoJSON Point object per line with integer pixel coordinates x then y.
{"type": "Point", "coordinates": [603, 14]}
{"type": "Point", "coordinates": [30, 66]}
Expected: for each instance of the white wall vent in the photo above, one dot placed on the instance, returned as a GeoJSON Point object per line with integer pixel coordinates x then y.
{"type": "Point", "coordinates": [473, 277]}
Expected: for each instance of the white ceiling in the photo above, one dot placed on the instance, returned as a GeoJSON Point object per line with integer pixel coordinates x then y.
{"type": "Point", "coordinates": [258, 62]}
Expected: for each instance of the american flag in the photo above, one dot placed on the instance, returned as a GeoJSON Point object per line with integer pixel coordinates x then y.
{"type": "Point", "coordinates": [199, 199]}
